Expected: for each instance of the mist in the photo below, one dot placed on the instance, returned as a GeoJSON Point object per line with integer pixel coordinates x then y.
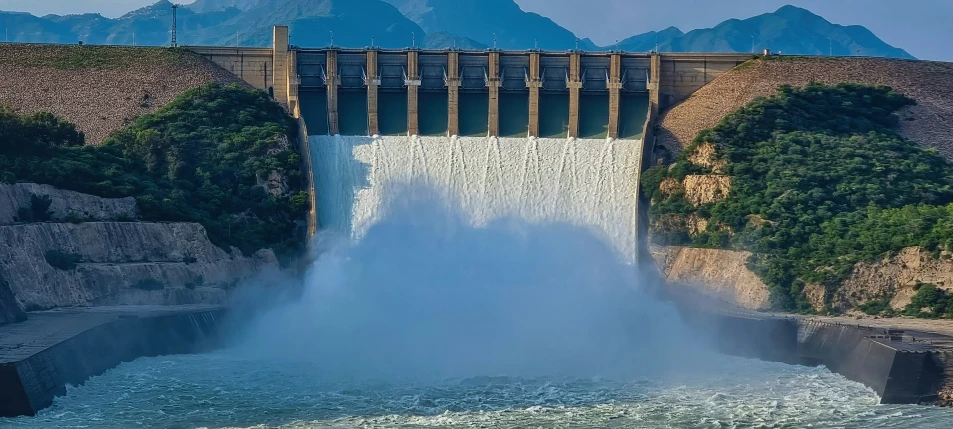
{"type": "Point", "coordinates": [424, 294]}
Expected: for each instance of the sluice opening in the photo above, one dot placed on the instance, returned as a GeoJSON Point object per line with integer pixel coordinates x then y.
{"type": "Point", "coordinates": [352, 112]}
{"type": "Point", "coordinates": [514, 114]}
{"type": "Point", "coordinates": [474, 113]}
{"type": "Point", "coordinates": [553, 115]}
{"type": "Point", "coordinates": [432, 111]}
{"type": "Point", "coordinates": [392, 112]}
{"type": "Point", "coordinates": [633, 112]}
{"type": "Point", "coordinates": [594, 115]}
{"type": "Point", "coordinates": [314, 110]}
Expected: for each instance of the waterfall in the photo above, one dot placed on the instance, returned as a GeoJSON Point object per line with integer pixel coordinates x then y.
{"type": "Point", "coordinates": [584, 182]}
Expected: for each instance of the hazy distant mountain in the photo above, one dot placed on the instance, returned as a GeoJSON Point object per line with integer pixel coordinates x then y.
{"type": "Point", "coordinates": [482, 20]}
{"type": "Point", "coordinates": [790, 30]}
{"type": "Point", "coordinates": [467, 24]}
{"type": "Point", "coordinates": [210, 5]}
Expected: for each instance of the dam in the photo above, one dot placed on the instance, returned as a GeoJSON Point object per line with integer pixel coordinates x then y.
{"type": "Point", "coordinates": [503, 133]}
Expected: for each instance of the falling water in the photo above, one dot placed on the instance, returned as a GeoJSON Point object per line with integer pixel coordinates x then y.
{"type": "Point", "coordinates": [582, 182]}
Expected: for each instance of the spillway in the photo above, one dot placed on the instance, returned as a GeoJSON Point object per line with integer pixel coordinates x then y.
{"type": "Point", "coordinates": [591, 183]}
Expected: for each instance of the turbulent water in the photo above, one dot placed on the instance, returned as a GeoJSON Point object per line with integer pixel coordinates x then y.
{"type": "Point", "coordinates": [221, 390]}
{"type": "Point", "coordinates": [469, 283]}
{"type": "Point", "coordinates": [590, 183]}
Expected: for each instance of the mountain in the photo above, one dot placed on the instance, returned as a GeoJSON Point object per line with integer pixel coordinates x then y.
{"type": "Point", "coordinates": [311, 23]}
{"type": "Point", "coordinates": [789, 30]}
{"type": "Point", "coordinates": [202, 6]}
{"type": "Point", "coordinates": [439, 24]}
{"type": "Point", "coordinates": [484, 20]}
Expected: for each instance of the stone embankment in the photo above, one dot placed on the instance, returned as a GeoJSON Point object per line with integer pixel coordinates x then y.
{"type": "Point", "coordinates": [929, 123]}
{"type": "Point", "coordinates": [106, 258]}
{"type": "Point", "coordinates": [100, 89]}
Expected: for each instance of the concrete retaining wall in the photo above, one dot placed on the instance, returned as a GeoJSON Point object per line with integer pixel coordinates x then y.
{"type": "Point", "coordinates": [900, 371]}
{"type": "Point", "coordinates": [30, 384]}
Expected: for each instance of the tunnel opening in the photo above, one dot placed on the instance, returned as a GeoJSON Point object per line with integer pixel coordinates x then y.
{"type": "Point", "coordinates": [474, 113]}
{"type": "Point", "coordinates": [553, 114]}
{"type": "Point", "coordinates": [314, 110]}
{"type": "Point", "coordinates": [432, 112]}
{"type": "Point", "coordinates": [514, 113]}
{"type": "Point", "coordinates": [392, 112]}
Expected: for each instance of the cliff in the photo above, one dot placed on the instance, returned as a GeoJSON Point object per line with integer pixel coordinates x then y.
{"type": "Point", "coordinates": [9, 309]}
{"type": "Point", "coordinates": [112, 260]}
{"type": "Point", "coordinates": [101, 89]}
{"type": "Point", "coordinates": [929, 83]}
{"type": "Point", "coordinates": [716, 273]}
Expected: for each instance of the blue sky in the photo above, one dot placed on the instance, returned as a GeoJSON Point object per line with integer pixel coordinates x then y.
{"type": "Point", "coordinates": [922, 27]}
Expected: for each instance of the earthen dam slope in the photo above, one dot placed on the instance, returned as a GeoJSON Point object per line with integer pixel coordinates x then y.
{"type": "Point", "coordinates": [929, 123]}
{"type": "Point", "coordinates": [101, 89]}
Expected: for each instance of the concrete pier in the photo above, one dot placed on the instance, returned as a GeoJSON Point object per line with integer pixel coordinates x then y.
{"type": "Point", "coordinates": [333, 83]}
{"type": "Point", "coordinates": [412, 81]}
{"type": "Point", "coordinates": [493, 85]}
{"type": "Point", "coordinates": [373, 83]}
{"type": "Point", "coordinates": [574, 84]}
{"type": "Point", "coordinates": [53, 349]}
{"type": "Point", "coordinates": [280, 60]}
{"type": "Point", "coordinates": [534, 84]}
{"type": "Point", "coordinates": [453, 93]}
{"type": "Point", "coordinates": [615, 93]}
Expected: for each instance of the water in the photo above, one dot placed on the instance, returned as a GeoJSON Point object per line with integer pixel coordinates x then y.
{"type": "Point", "coordinates": [582, 182]}
{"type": "Point", "coordinates": [219, 390]}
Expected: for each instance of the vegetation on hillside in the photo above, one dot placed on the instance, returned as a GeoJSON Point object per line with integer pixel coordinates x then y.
{"type": "Point", "coordinates": [202, 158]}
{"type": "Point", "coordinates": [819, 182]}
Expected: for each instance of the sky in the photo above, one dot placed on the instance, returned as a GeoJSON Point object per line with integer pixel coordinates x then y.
{"type": "Point", "coordinates": [922, 27]}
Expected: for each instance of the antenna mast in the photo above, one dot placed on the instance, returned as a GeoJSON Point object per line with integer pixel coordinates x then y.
{"type": "Point", "coordinates": [175, 10]}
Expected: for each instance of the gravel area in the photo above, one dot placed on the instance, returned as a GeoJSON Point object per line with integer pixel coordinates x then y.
{"type": "Point", "coordinates": [930, 123]}
{"type": "Point", "coordinates": [100, 89]}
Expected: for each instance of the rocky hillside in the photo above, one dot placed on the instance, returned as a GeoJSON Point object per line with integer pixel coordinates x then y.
{"type": "Point", "coordinates": [838, 210]}
{"type": "Point", "coordinates": [930, 84]}
{"type": "Point", "coordinates": [101, 256]}
{"type": "Point", "coordinates": [100, 89]}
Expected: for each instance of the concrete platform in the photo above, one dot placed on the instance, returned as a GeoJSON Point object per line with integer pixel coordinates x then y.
{"type": "Point", "coordinates": [53, 349]}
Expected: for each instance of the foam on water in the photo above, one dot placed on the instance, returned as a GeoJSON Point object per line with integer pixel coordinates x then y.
{"type": "Point", "coordinates": [221, 390]}
{"type": "Point", "coordinates": [589, 183]}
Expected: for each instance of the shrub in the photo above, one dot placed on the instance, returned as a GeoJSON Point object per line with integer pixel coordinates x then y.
{"type": "Point", "coordinates": [62, 260]}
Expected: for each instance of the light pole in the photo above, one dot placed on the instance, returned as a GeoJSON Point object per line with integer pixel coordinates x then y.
{"type": "Point", "coordinates": [752, 44]}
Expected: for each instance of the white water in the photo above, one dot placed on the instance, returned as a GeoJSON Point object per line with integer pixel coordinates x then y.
{"type": "Point", "coordinates": [587, 183]}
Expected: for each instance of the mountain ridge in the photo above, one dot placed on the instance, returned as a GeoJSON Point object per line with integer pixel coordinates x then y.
{"type": "Point", "coordinates": [436, 24]}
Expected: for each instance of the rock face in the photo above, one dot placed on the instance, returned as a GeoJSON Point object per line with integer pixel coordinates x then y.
{"type": "Point", "coordinates": [896, 275]}
{"type": "Point", "coordinates": [9, 309]}
{"type": "Point", "coordinates": [706, 188]}
{"type": "Point", "coordinates": [52, 264]}
{"type": "Point", "coordinates": [64, 205]}
{"type": "Point", "coordinates": [929, 83]}
{"type": "Point", "coordinates": [720, 274]}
